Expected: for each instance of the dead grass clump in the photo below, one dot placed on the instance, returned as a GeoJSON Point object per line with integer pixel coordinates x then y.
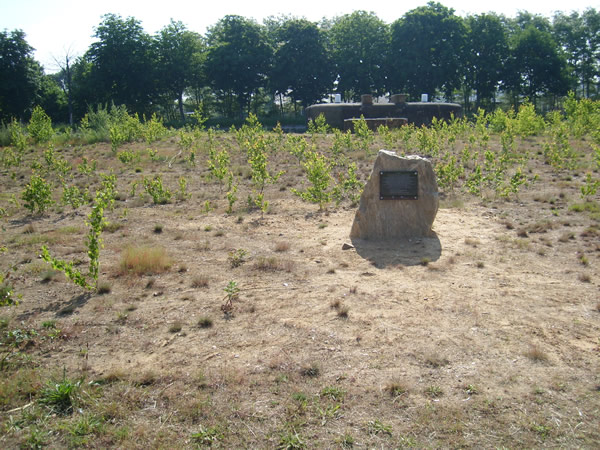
{"type": "Point", "coordinates": [282, 246]}
{"type": "Point", "coordinates": [311, 370]}
{"type": "Point", "coordinates": [205, 322]}
{"type": "Point", "coordinates": [522, 233]}
{"type": "Point", "coordinates": [103, 287]}
{"type": "Point", "coordinates": [200, 281]}
{"type": "Point", "coordinates": [343, 311]}
{"type": "Point", "coordinates": [535, 353]}
{"type": "Point", "coordinates": [472, 242]}
{"type": "Point", "coordinates": [145, 260]}
{"type": "Point", "coordinates": [175, 327]}
{"type": "Point", "coordinates": [147, 378]}
{"type": "Point", "coordinates": [585, 278]}
{"type": "Point", "coordinates": [114, 375]}
{"type": "Point", "coordinates": [508, 224]}
{"type": "Point", "coordinates": [396, 388]}
{"type": "Point", "coordinates": [267, 263]}
{"type": "Point", "coordinates": [540, 227]}
{"type": "Point", "coordinates": [436, 360]}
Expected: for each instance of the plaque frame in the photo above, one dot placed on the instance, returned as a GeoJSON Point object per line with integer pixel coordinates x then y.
{"type": "Point", "coordinates": [409, 182]}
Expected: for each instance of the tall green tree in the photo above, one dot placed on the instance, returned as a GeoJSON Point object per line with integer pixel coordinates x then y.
{"type": "Point", "coordinates": [20, 76]}
{"type": "Point", "coordinates": [486, 55]}
{"type": "Point", "coordinates": [536, 66]}
{"type": "Point", "coordinates": [302, 67]}
{"type": "Point", "coordinates": [122, 63]}
{"type": "Point", "coordinates": [359, 47]}
{"type": "Point", "coordinates": [579, 37]}
{"type": "Point", "coordinates": [238, 60]}
{"type": "Point", "coordinates": [427, 51]}
{"type": "Point", "coordinates": [178, 52]}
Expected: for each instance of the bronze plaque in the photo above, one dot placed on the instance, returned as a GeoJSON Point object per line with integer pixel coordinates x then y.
{"type": "Point", "coordinates": [399, 185]}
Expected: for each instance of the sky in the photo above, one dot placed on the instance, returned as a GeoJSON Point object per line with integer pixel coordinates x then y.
{"type": "Point", "coordinates": [56, 28]}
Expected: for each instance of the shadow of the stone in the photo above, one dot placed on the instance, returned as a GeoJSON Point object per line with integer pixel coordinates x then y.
{"type": "Point", "coordinates": [408, 252]}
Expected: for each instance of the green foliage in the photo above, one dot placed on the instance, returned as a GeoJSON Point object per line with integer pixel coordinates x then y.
{"type": "Point", "coordinates": [86, 168]}
{"type": "Point", "coordinates": [527, 122]}
{"type": "Point", "coordinates": [40, 126]}
{"type": "Point", "coordinates": [251, 138]}
{"type": "Point", "coordinates": [218, 163]}
{"type": "Point", "coordinates": [183, 194]}
{"type": "Point", "coordinates": [319, 125]}
{"type": "Point", "coordinates": [557, 150]}
{"type": "Point", "coordinates": [207, 436]}
{"type": "Point", "coordinates": [590, 187]}
{"type": "Point", "coordinates": [160, 195]}
{"type": "Point", "coordinates": [59, 396]}
{"type": "Point", "coordinates": [96, 222]}
{"type": "Point", "coordinates": [318, 172]}
{"type": "Point", "coordinates": [37, 194]}
{"type": "Point", "coordinates": [73, 196]}
{"type": "Point", "coordinates": [12, 156]}
{"type": "Point", "coordinates": [153, 129]}
{"type": "Point", "coordinates": [56, 164]}
{"type": "Point", "coordinates": [67, 268]}
{"type": "Point", "coordinates": [363, 133]}
{"type": "Point", "coordinates": [127, 157]}
{"type": "Point", "coordinates": [348, 186]}
{"type": "Point", "coordinates": [237, 257]}
{"type": "Point", "coordinates": [296, 145]}
{"type": "Point", "coordinates": [449, 172]}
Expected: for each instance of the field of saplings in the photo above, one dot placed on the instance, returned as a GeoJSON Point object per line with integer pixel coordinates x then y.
{"type": "Point", "coordinates": [165, 288]}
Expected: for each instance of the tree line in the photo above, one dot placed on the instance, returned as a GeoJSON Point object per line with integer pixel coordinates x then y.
{"type": "Point", "coordinates": [286, 63]}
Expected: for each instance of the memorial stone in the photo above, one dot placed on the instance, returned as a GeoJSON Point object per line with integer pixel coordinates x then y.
{"type": "Point", "coordinates": [400, 200]}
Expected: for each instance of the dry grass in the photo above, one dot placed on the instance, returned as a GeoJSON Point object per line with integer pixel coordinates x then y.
{"type": "Point", "coordinates": [536, 353]}
{"type": "Point", "coordinates": [282, 246]}
{"type": "Point", "coordinates": [145, 261]}
{"type": "Point", "coordinates": [200, 281]}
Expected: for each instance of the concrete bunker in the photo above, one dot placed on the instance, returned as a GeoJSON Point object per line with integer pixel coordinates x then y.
{"type": "Point", "coordinates": [396, 113]}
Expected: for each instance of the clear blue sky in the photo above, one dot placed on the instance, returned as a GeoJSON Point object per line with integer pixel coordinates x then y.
{"type": "Point", "coordinates": [55, 27]}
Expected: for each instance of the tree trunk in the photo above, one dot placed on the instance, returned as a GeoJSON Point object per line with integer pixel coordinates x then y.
{"type": "Point", "coordinates": [181, 113]}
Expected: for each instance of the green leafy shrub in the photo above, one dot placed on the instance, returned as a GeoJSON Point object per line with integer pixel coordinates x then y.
{"type": "Point", "coordinates": [37, 194]}
{"type": "Point", "coordinates": [40, 126]}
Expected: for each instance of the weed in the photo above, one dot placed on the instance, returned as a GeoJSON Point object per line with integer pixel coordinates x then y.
{"type": "Point", "coordinates": [333, 392]}
{"type": "Point", "coordinates": [59, 396]}
{"type": "Point", "coordinates": [311, 370]}
{"type": "Point", "coordinates": [471, 389]}
{"type": "Point", "coordinates": [290, 441]}
{"type": "Point", "coordinates": [434, 391]}
{"type": "Point", "coordinates": [207, 435]}
{"type": "Point", "coordinates": [237, 257]}
{"type": "Point", "coordinates": [377, 427]}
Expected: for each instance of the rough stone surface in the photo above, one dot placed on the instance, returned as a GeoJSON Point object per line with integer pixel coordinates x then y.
{"type": "Point", "coordinates": [388, 219]}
